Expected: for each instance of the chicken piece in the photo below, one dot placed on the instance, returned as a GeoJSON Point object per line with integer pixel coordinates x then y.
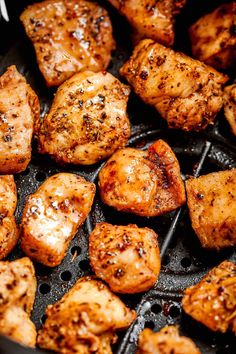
{"type": "Point", "coordinates": [166, 341]}
{"type": "Point", "coordinates": [17, 294]}
{"type": "Point", "coordinates": [213, 37]}
{"type": "Point", "coordinates": [126, 257]}
{"type": "Point", "coordinates": [85, 320]}
{"type": "Point", "coordinates": [16, 324]}
{"type": "Point", "coordinates": [19, 111]}
{"type": "Point", "coordinates": [146, 183]}
{"type": "Point", "coordinates": [186, 92]}
{"type": "Point", "coordinates": [230, 106]}
{"type": "Point", "coordinates": [52, 216]}
{"type": "Point", "coordinates": [87, 121]}
{"type": "Point", "coordinates": [212, 207]}
{"type": "Point", "coordinates": [8, 230]}
{"type": "Point", "coordinates": [69, 36]}
{"type": "Point", "coordinates": [213, 300]}
{"type": "Point", "coordinates": [151, 18]}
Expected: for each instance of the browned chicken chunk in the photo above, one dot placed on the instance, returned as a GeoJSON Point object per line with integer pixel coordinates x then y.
{"type": "Point", "coordinates": [87, 121]}
{"type": "Point", "coordinates": [212, 207]}
{"type": "Point", "coordinates": [85, 320]}
{"type": "Point", "coordinates": [230, 106]}
{"type": "Point", "coordinates": [213, 37]}
{"type": "Point", "coordinates": [126, 257]}
{"type": "Point", "coordinates": [19, 111]}
{"type": "Point", "coordinates": [213, 300]}
{"type": "Point", "coordinates": [8, 230]}
{"type": "Point", "coordinates": [186, 92]}
{"type": "Point", "coordinates": [68, 36]}
{"type": "Point", "coordinates": [146, 183]}
{"type": "Point", "coordinates": [151, 18]}
{"type": "Point", "coordinates": [17, 293]}
{"type": "Point", "coordinates": [166, 341]}
{"type": "Point", "coordinates": [52, 216]}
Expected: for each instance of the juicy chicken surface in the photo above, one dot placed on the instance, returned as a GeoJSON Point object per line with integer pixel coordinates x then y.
{"type": "Point", "coordinates": [230, 106]}
{"type": "Point", "coordinates": [146, 183]}
{"type": "Point", "coordinates": [213, 37]}
{"type": "Point", "coordinates": [151, 18]}
{"type": "Point", "coordinates": [68, 36]}
{"type": "Point", "coordinates": [166, 341]}
{"type": "Point", "coordinates": [87, 121]}
{"type": "Point", "coordinates": [85, 320]}
{"type": "Point", "coordinates": [213, 300]}
{"type": "Point", "coordinates": [186, 92]}
{"type": "Point", "coordinates": [19, 111]}
{"type": "Point", "coordinates": [126, 257]}
{"type": "Point", "coordinates": [17, 294]}
{"type": "Point", "coordinates": [8, 229]}
{"type": "Point", "coordinates": [52, 215]}
{"type": "Point", "coordinates": [212, 206]}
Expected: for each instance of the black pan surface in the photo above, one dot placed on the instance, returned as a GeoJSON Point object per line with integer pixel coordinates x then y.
{"type": "Point", "coordinates": [185, 261]}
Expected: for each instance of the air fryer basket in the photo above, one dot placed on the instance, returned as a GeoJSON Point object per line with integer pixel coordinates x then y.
{"type": "Point", "coordinates": [184, 261]}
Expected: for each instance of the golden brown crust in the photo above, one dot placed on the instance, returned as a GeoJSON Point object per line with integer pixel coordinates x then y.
{"type": "Point", "coordinates": [146, 183]}
{"type": "Point", "coordinates": [126, 257]}
{"type": "Point", "coordinates": [151, 18]}
{"type": "Point", "coordinates": [8, 229]}
{"type": "Point", "coordinates": [166, 341]}
{"type": "Point", "coordinates": [186, 92]}
{"type": "Point", "coordinates": [213, 37]}
{"type": "Point", "coordinates": [68, 36]}
{"type": "Point", "coordinates": [212, 206]}
{"type": "Point", "coordinates": [230, 106]}
{"type": "Point", "coordinates": [17, 294]}
{"type": "Point", "coordinates": [213, 300]}
{"type": "Point", "coordinates": [85, 320]}
{"type": "Point", "coordinates": [87, 121]}
{"type": "Point", "coordinates": [19, 113]}
{"type": "Point", "coordinates": [52, 216]}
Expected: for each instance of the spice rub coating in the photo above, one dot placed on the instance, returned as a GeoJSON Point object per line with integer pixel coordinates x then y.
{"type": "Point", "coordinates": [146, 183]}
{"type": "Point", "coordinates": [125, 257]}
{"type": "Point", "coordinates": [186, 92]}
{"type": "Point", "coordinates": [68, 36]}
{"type": "Point", "coordinates": [87, 121]}
{"type": "Point", "coordinates": [52, 215]}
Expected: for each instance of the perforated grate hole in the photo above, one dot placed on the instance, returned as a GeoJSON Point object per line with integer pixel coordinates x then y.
{"type": "Point", "coordinates": [84, 265]}
{"type": "Point", "coordinates": [40, 176]}
{"type": "Point", "coordinates": [174, 311]}
{"type": "Point", "coordinates": [66, 275]}
{"type": "Point", "coordinates": [75, 251]}
{"type": "Point", "coordinates": [186, 262]}
{"type": "Point", "coordinates": [44, 288]}
{"type": "Point", "coordinates": [156, 308]}
{"type": "Point", "coordinates": [149, 324]}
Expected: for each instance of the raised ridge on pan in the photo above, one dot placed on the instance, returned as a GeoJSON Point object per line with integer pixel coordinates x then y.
{"type": "Point", "coordinates": [184, 261]}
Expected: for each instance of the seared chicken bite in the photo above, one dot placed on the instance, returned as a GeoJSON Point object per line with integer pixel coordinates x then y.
{"type": "Point", "coordinates": [126, 257]}
{"type": "Point", "coordinates": [151, 18]}
{"type": "Point", "coordinates": [87, 121]}
{"type": "Point", "coordinates": [230, 106]}
{"type": "Point", "coordinates": [166, 341]}
{"type": "Point", "coordinates": [52, 216]}
{"type": "Point", "coordinates": [19, 111]}
{"type": "Point", "coordinates": [8, 230]}
{"type": "Point", "coordinates": [85, 320]}
{"type": "Point", "coordinates": [213, 37]}
{"type": "Point", "coordinates": [17, 293]}
{"type": "Point", "coordinates": [68, 36]}
{"type": "Point", "coordinates": [186, 92]}
{"type": "Point", "coordinates": [146, 183]}
{"type": "Point", "coordinates": [212, 207]}
{"type": "Point", "coordinates": [213, 300]}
